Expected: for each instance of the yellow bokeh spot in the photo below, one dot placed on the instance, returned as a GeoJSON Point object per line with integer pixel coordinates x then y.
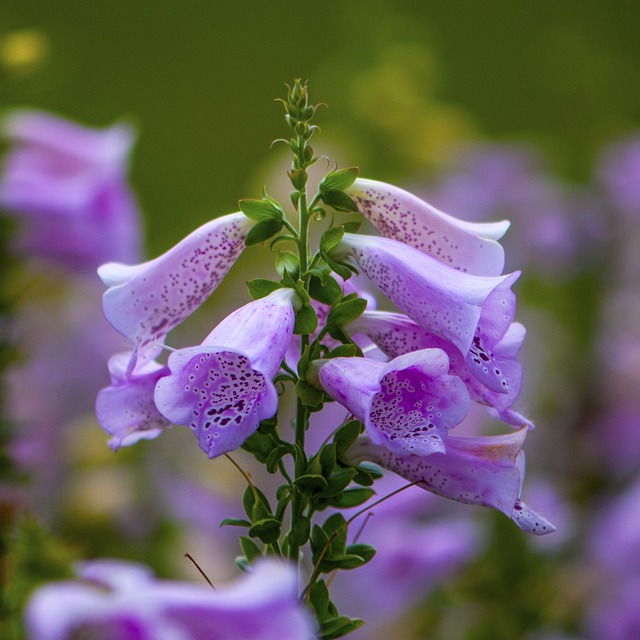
{"type": "Point", "coordinates": [24, 51]}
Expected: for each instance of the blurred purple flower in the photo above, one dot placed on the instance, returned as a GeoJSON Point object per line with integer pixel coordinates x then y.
{"type": "Point", "coordinates": [472, 312]}
{"type": "Point", "coordinates": [223, 388]}
{"type": "Point", "coordinates": [618, 170]}
{"type": "Point", "coordinates": [406, 405]}
{"type": "Point", "coordinates": [616, 615]}
{"type": "Point", "coordinates": [67, 185]}
{"type": "Point", "coordinates": [553, 225]}
{"type": "Point", "coordinates": [145, 301]}
{"type": "Point", "coordinates": [398, 214]}
{"type": "Point", "coordinates": [114, 599]}
{"type": "Point", "coordinates": [487, 471]}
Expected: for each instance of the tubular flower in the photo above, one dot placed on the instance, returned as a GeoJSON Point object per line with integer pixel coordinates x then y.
{"type": "Point", "coordinates": [487, 471]}
{"type": "Point", "coordinates": [399, 215]}
{"type": "Point", "coordinates": [114, 599]}
{"type": "Point", "coordinates": [395, 335]}
{"type": "Point", "coordinates": [126, 409]}
{"type": "Point", "coordinates": [67, 185]}
{"type": "Point", "coordinates": [407, 405]}
{"type": "Point", "coordinates": [145, 301]}
{"type": "Point", "coordinates": [472, 312]}
{"type": "Point", "coordinates": [223, 388]}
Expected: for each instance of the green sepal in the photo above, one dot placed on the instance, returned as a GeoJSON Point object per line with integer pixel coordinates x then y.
{"type": "Point", "coordinates": [340, 201]}
{"type": "Point", "coordinates": [298, 178]}
{"type": "Point", "coordinates": [273, 459]}
{"type": "Point", "coordinates": [299, 534]}
{"type": "Point", "coordinates": [267, 530]}
{"type": "Point", "coordinates": [286, 261]}
{"type": "Point", "coordinates": [339, 627]}
{"type": "Point", "coordinates": [347, 435]}
{"type": "Point", "coordinates": [260, 210]}
{"type": "Point", "coordinates": [345, 312]}
{"type": "Point", "coordinates": [331, 239]}
{"type": "Point", "coordinates": [250, 549]}
{"type": "Point", "coordinates": [367, 474]}
{"type": "Point", "coordinates": [352, 498]}
{"type": "Point", "coordinates": [340, 180]}
{"type": "Point", "coordinates": [345, 562]}
{"type": "Point", "coordinates": [310, 484]}
{"type": "Point", "coordinates": [258, 445]}
{"type": "Point", "coordinates": [338, 481]}
{"type": "Point", "coordinates": [352, 227]}
{"type": "Point", "coordinates": [327, 291]}
{"type": "Point", "coordinates": [263, 230]}
{"type": "Point", "coordinates": [235, 522]}
{"type": "Point", "coordinates": [306, 321]}
{"type": "Point", "coordinates": [242, 563]}
{"type": "Point", "coordinates": [309, 395]}
{"type": "Point", "coordinates": [351, 350]}
{"type": "Point", "coordinates": [260, 287]}
{"type": "Point", "coordinates": [343, 269]}
{"type": "Point", "coordinates": [328, 459]}
{"type": "Point", "coordinates": [268, 425]}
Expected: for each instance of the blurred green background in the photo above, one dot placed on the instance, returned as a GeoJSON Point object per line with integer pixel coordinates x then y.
{"type": "Point", "coordinates": [403, 81]}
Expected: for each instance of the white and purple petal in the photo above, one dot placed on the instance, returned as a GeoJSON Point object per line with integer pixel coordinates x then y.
{"type": "Point", "coordinates": [486, 471]}
{"type": "Point", "coordinates": [223, 388]}
{"type": "Point", "coordinates": [126, 409]}
{"type": "Point", "coordinates": [145, 301]}
{"type": "Point", "coordinates": [408, 404]}
{"type": "Point", "coordinates": [400, 215]}
{"type": "Point", "coordinates": [396, 334]}
{"type": "Point", "coordinates": [472, 312]}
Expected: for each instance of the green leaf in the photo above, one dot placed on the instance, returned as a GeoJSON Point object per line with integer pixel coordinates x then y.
{"type": "Point", "coordinates": [339, 201]}
{"type": "Point", "coordinates": [267, 530]}
{"type": "Point", "coordinates": [365, 551]}
{"type": "Point", "coordinates": [311, 483]}
{"type": "Point", "coordinates": [343, 269]}
{"type": "Point", "coordinates": [339, 627]}
{"type": "Point", "coordinates": [367, 473]}
{"type": "Point", "coordinates": [260, 210]}
{"type": "Point", "coordinates": [250, 549]}
{"type": "Point", "coordinates": [352, 498]}
{"type": "Point", "coordinates": [260, 287]}
{"type": "Point", "coordinates": [255, 509]}
{"type": "Point", "coordinates": [340, 180]}
{"type": "Point", "coordinates": [235, 522]}
{"type": "Point", "coordinates": [286, 261]}
{"type": "Point", "coordinates": [330, 239]}
{"type": "Point", "coordinates": [327, 291]}
{"type": "Point", "coordinates": [306, 321]}
{"type": "Point", "coordinates": [319, 598]}
{"type": "Point", "coordinates": [338, 481]}
{"type": "Point", "coordinates": [310, 396]}
{"type": "Point", "coordinates": [263, 230]}
{"type": "Point", "coordinates": [346, 561]}
{"type": "Point", "coordinates": [299, 535]}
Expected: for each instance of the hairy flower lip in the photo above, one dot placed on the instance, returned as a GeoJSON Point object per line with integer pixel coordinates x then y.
{"type": "Point", "coordinates": [402, 216]}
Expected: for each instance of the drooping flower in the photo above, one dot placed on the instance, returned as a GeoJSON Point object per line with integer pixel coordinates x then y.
{"type": "Point", "coordinates": [472, 312]}
{"type": "Point", "coordinates": [396, 334]}
{"type": "Point", "coordinates": [407, 404]}
{"type": "Point", "coordinates": [145, 301]}
{"type": "Point", "coordinates": [67, 185]}
{"type": "Point", "coordinates": [126, 409]}
{"type": "Point", "coordinates": [223, 388]}
{"type": "Point", "coordinates": [114, 599]}
{"type": "Point", "coordinates": [487, 471]}
{"type": "Point", "coordinates": [400, 215]}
